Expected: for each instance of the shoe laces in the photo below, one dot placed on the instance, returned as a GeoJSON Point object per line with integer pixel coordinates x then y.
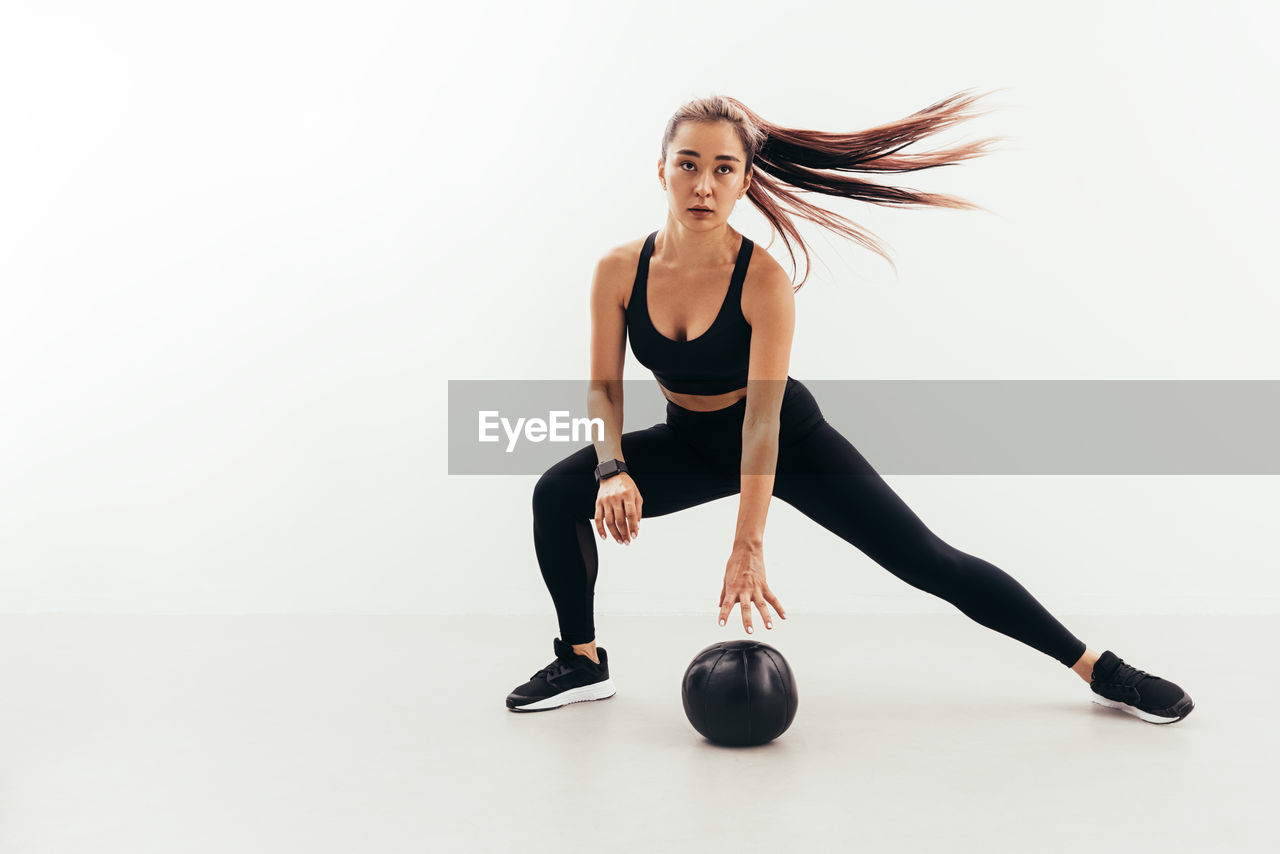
{"type": "Point", "coordinates": [555, 669]}
{"type": "Point", "coordinates": [1124, 674]}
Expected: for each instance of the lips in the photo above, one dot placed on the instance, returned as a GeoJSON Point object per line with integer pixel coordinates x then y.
{"type": "Point", "coordinates": [704, 210]}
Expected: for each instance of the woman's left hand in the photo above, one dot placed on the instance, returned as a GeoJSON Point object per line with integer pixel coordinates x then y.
{"type": "Point", "coordinates": [744, 583]}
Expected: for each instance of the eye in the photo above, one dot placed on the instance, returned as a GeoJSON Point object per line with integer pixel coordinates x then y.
{"type": "Point", "coordinates": [728, 169]}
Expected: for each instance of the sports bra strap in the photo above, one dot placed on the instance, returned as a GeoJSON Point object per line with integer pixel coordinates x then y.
{"type": "Point", "coordinates": [640, 288]}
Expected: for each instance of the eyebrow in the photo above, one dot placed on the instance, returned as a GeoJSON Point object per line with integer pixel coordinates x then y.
{"type": "Point", "coordinates": [693, 153]}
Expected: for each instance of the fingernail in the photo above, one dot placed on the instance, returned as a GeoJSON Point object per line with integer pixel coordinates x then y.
{"type": "Point", "coordinates": [722, 622]}
{"type": "Point", "coordinates": [748, 630]}
{"type": "Point", "coordinates": [768, 625]}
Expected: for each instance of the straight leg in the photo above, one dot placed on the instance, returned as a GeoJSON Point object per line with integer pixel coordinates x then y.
{"type": "Point", "coordinates": [825, 477]}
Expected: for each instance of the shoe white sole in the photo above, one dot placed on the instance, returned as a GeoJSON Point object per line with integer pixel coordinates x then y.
{"type": "Point", "coordinates": [1137, 713]}
{"type": "Point", "coordinates": [595, 691]}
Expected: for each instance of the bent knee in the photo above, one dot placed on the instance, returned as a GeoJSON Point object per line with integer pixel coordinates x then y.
{"type": "Point", "coordinates": [547, 492]}
{"type": "Point", "coordinates": [556, 492]}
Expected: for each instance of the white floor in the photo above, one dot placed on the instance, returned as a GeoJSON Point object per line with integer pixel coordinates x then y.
{"type": "Point", "coordinates": [389, 734]}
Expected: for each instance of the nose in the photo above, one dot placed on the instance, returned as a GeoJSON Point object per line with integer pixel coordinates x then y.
{"type": "Point", "coordinates": [703, 187]}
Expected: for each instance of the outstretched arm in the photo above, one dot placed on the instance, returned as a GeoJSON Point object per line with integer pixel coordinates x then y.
{"type": "Point", "coordinates": [772, 319]}
{"type": "Point", "coordinates": [770, 309]}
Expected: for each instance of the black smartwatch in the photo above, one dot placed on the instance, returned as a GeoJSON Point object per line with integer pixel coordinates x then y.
{"type": "Point", "coordinates": [609, 468]}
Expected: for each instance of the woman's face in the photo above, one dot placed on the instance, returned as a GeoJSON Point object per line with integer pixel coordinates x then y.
{"type": "Point", "coordinates": [705, 167]}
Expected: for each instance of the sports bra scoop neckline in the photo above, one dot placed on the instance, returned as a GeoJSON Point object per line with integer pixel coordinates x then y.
{"type": "Point", "coordinates": [714, 362]}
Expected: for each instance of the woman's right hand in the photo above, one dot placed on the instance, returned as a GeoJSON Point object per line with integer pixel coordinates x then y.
{"type": "Point", "coordinates": [618, 504]}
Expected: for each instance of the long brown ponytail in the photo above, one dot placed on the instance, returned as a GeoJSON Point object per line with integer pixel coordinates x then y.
{"type": "Point", "coordinates": [784, 159]}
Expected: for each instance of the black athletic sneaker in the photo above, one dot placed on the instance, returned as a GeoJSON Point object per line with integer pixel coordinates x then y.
{"type": "Point", "coordinates": [571, 678]}
{"type": "Point", "coordinates": [1116, 685]}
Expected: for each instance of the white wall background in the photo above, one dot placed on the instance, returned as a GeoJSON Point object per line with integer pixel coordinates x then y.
{"type": "Point", "coordinates": [244, 246]}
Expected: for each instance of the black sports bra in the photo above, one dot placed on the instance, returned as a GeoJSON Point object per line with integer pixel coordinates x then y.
{"type": "Point", "coordinates": [713, 363]}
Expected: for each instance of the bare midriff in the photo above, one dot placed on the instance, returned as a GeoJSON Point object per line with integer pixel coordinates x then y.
{"type": "Point", "coordinates": [704, 402]}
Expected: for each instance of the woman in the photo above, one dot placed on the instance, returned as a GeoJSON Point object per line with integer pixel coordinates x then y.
{"type": "Point", "coordinates": [736, 422]}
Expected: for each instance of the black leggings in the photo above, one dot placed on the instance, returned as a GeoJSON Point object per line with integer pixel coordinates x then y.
{"type": "Point", "coordinates": [695, 457]}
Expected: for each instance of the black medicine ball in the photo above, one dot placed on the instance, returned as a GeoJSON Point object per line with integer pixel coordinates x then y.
{"type": "Point", "coordinates": [739, 693]}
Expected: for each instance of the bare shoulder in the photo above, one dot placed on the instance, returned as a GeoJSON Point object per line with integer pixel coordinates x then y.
{"type": "Point", "coordinates": [616, 270]}
{"type": "Point", "coordinates": [767, 285]}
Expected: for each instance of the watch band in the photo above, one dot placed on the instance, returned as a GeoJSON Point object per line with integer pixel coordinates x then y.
{"type": "Point", "coordinates": [609, 468]}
